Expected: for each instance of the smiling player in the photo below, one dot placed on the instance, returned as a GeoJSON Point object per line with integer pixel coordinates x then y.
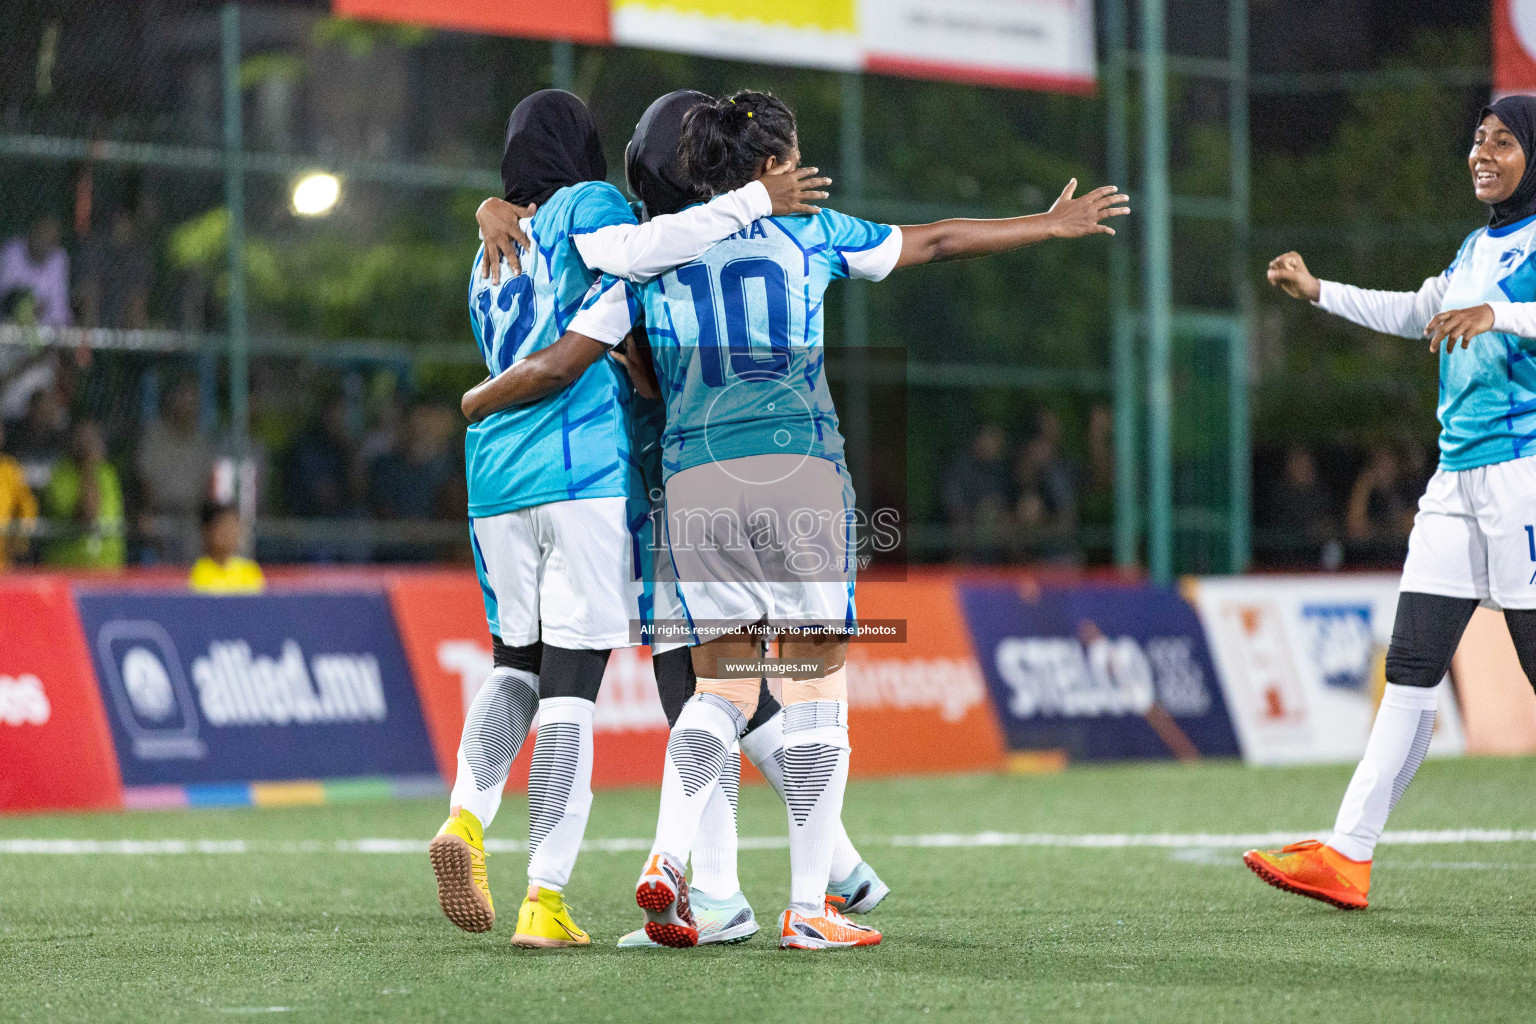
{"type": "Point", "coordinates": [1474, 538]}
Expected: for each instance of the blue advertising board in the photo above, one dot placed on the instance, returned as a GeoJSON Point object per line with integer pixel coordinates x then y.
{"type": "Point", "coordinates": [1099, 671]}
{"type": "Point", "coordinates": [202, 689]}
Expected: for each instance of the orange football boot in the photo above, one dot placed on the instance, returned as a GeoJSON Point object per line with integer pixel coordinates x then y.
{"type": "Point", "coordinates": [827, 930]}
{"type": "Point", "coordinates": [1314, 869]}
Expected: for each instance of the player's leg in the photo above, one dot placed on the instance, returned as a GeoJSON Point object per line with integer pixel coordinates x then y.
{"type": "Point", "coordinates": [497, 720]}
{"type": "Point", "coordinates": [853, 882]}
{"type": "Point", "coordinates": [706, 731]}
{"type": "Point", "coordinates": [587, 602]}
{"type": "Point", "coordinates": [816, 751]}
{"type": "Point", "coordinates": [720, 909]}
{"type": "Point", "coordinates": [1509, 522]}
{"type": "Point", "coordinates": [1443, 580]}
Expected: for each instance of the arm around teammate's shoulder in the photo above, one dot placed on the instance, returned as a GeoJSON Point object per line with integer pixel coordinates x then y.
{"type": "Point", "coordinates": [963, 238]}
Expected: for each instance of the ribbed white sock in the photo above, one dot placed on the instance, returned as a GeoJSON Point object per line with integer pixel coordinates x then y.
{"type": "Point", "coordinates": [815, 776]}
{"type": "Point", "coordinates": [764, 747]}
{"type": "Point", "coordinates": [494, 731]}
{"type": "Point", "coordinates": [706, 729]}
{"type": "Point", "coordinates": [714, 848]}
{"type": "Point", "coordinates": [1399, 740]}
{"type": "Point", "coordinates": [559, 789]}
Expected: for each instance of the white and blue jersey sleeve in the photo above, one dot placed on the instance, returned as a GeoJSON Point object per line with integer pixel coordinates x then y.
{"type": "Point", "coordinates": [861, 249]}
{"type": "Point", "coordinates": [1487, 408]}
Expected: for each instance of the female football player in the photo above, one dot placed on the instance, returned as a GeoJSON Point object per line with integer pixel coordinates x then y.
{"type": "Point", "coordinates": [1474, 538]}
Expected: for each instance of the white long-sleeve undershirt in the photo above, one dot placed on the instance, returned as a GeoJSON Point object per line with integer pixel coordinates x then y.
{"type": "Point", "coordinates": [1406, 314]}
{"type": "Point", "coordinates": [639, 252]}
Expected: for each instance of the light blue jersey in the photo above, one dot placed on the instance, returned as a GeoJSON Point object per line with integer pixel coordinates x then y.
{"type": "Point", "coordinates": [573, 443]}
{"type": "Point", "coordinates": [1487, 405]}
{"type": "Point", "coordinates": [736, 338]}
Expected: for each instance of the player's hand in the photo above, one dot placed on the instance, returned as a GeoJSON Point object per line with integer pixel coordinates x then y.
{"type": "Point", "coordinates": [1289, 273]}
{"type": "Point", "coordinates": [790, 190]}
{"type": "Point", "coordinates": [1074, 218]}
{"type": "Point", "coordinates": [1458, 325]}
{"type": "Point", "coordinates": [501, 226]}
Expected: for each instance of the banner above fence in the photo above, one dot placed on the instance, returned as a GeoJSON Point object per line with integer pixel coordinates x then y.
{"type": "Point", "coordinates": [1514, 46]}
{"type": "Point", "coordinates": [1023, 44]}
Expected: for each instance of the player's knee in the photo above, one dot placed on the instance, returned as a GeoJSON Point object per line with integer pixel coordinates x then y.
{"type": "Point", "coordinates": [1412, 663]}
{"type": "Point", "coordinates": [741, 693]}
{"type": "Point", "coordinates": [525, 658]}
{"type": "Point", "coordinates": [832, 686]}
{"type": "Point", "coordinates": [571, 673]}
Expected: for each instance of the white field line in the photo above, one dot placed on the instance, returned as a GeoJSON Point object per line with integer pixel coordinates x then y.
{"type": "Point", "coordinates": [941, 840]}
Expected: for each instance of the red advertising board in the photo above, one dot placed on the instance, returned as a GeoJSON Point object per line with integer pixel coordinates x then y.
{"type": "Point", "coordinates": [55, 749]}
{"type": "Point", "coordinates": [919, 706]}
{"type": "Point", "coordinates": [1514, 46]}
{"type": "Point", "coordinates": [441, 618]}
{"type": "Point", "coordinates": [579, 21]}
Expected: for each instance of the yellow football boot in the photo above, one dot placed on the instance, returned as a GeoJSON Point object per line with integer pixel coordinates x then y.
{"type": "Point", "coordinates": [544, 922]}
{"type": "Point", "coordinates": [1316, 870]}
{"type": "Point", "coordinates": [457, 853]}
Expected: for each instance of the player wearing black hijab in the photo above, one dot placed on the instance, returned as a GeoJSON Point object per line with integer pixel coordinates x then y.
{"type": "Point", "coordinates": [1474, 538]}
{"type": "Point", "coordinates": [655, 178]}
{"type": "Point", "coordinates": [549, 484]}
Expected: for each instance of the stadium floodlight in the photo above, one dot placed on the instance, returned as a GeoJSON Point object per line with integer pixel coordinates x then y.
{"type": "Point", "coordinates": [315, 194]}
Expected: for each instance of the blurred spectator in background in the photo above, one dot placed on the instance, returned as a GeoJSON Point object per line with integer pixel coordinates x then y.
{"type": "Point", "coordinates": [174, 464]}
{"type": "Point", "coordinates": [221, 569]}
{"type": "Point", "coordinates": [406, 481]}
{"type": "Point", "coordinates": [117, 270]}
{"type": "Point", "coordinates": [1301, 512]}
{"type": "Point", "coordinates": [84, 506]}
{"type": "Point", "coordinates": [1096, 502]}
{"type": "Point", "coordinates": [1045, 507]}
{"type": "Point", "coordinates": [18, 508]}
{"type": "Point", "coordinates": [1300, 504]}
{"type": "Point", "coordinates": [35, 265]}
{"type": "Point", "coordinates": [317, 472]}
{"type": "Point", "coordinates": [38, 440]}
{"type": "Point", "coordinates": [976, 496]}
{"type": "Point", "coordinates": [1378, 517]}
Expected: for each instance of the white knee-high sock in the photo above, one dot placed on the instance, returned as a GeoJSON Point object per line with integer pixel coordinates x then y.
{"type": "Point", "coordinates": [559, 789]}
{"type": "Point", "coordinates": [815, 776]}
{"type": "Point", "coordinates": [764, 747]}
{"type": "Point", "coordinates": [494, 731]}
{"type": "Point", "coordinates": [1399, 740]}
{"type": "Point", "coordinates": [714, 848]}
{"type": "Point", "coordinates": [706, 729]}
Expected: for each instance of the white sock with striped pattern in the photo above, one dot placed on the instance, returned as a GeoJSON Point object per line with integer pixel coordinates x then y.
{"type": "Point", "coordinates": [714, 849]}
{"type": "Point", "coordinates": [815, 776]}
{"type": "Point", "coordinates": [494, 731]}
{"type": "Point", "coordinates": [1399, 740]}
{"type": "Point", "coordinates": [706, 730]}
{"type": "Point", "coordinates": [559, 789]}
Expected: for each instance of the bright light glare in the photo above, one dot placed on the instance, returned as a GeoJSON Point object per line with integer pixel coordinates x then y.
{"type": "Point", "coordinates": [315, 194]}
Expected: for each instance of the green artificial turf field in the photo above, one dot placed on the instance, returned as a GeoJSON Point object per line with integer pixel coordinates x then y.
{"type": "Point", "coordinates": [284, 926]}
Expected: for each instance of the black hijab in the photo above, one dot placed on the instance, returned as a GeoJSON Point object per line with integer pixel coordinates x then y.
{"type": "Point", "coordinates": [1519, 115]}
{"type": "Point", "coordinates": [651, 163]}
{"type": "Point", "coordinates": [551, 143]}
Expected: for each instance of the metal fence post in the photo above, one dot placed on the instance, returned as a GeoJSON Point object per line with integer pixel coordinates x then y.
{"type": "Point", "coordinates": [1240, 464]}
{"type": "Point", "coordinates": [234, 199]}
{"type": "Point", "coordinates": [849, 188]}
{"type": "Point", "coordinates": [1122, 321]}
{"type": "Point", "coordinates": [1157, 298]}
{"type": "Point", "coordinates": [562, 72]}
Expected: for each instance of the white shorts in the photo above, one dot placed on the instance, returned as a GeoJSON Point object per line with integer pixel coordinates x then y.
{"type": "Point", "coordinates": [563, 572]}
{"type": "Point", "coordinates": [751, 541]}
{"type": "Point", "coordinates": [1475, 535]}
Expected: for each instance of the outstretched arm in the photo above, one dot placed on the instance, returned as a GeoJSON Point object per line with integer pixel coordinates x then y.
{"type": "Point", "coordinates": [1405, 314]}
{"type": "Point", "coordinates": [961, 238]}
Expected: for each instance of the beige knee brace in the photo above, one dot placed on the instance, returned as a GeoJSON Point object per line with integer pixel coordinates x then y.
{"type": "Point", "coordinates": [832, 686]}
{"type": "Point", "coordinates": [740, 692]}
